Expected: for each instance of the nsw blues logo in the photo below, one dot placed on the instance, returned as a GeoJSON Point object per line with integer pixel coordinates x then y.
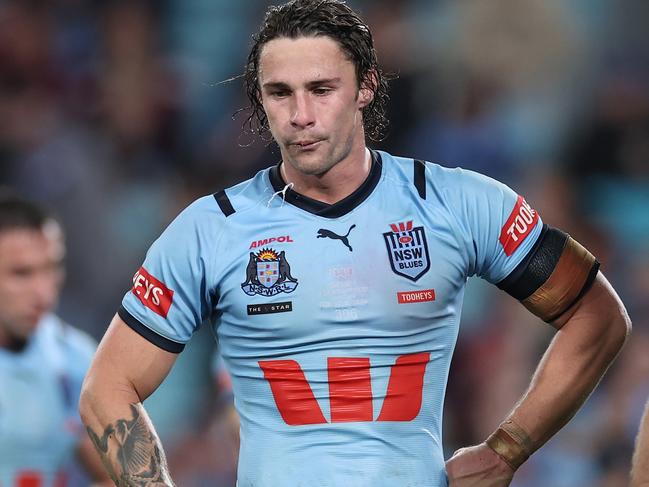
{"type": "Point", "coordinates": [408, 250]}
{"type": "Point", "coordinates": [268, 274]}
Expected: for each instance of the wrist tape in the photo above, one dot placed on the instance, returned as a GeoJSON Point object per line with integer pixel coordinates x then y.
{"type": "Point", "coordinates": [511, 443]}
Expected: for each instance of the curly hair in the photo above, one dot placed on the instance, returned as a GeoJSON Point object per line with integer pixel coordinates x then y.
{"type": "Point", "coordinates": [332, 18]}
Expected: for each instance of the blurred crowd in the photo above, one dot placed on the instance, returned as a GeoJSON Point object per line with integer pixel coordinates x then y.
{"type": "Point", "coordinates": [117, 114]}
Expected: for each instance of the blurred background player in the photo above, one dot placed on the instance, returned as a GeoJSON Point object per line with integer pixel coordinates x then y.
{"type": "Point", "coordinates": [42, 359]}
{"type": "Point", "coordinates": [640, 470]}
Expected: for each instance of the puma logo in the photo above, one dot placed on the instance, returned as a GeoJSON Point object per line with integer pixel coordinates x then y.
{"type": "Point", "coordinates": [324, 233]}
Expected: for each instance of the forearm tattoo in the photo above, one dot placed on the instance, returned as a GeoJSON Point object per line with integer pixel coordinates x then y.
{"type": "Point", "coordinates": [131, 452]}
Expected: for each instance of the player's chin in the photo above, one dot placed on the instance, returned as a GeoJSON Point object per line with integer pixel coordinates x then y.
{"type": "Point", "coordinates": [307, 154]}
{"type": "Point", "coordinates": [311, 165]}
{"type": "Point", "coordinates": [28, 324]}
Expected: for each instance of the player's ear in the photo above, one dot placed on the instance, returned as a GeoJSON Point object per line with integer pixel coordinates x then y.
{"type": "Point", "coordinates": [367, 89]}
{"type": "Point", "coordinates": [365, 97]}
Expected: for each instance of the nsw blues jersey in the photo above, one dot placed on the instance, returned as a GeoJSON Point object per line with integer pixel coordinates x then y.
{"type": "Point", "coordinates": [336, 322]}
{"type": "Point", "coordinates": [39, 392]}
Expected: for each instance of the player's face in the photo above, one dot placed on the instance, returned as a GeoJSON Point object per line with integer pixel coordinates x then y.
{"type": "Point", "coordinates": [30, 278]}
{"type": "Point", "coordinates": [311, 98]}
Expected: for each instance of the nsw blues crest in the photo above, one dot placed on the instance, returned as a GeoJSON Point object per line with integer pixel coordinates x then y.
{"type": "Point", "coordinates": [407, 250]}
{"type": "Point", "coordinates": [268, 273]}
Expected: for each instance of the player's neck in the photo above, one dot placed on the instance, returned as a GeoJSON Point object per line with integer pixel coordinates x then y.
{"type": "Point", "coordinates": [11, 343]}
{"type": "Point", "coordinates": [337, 183]}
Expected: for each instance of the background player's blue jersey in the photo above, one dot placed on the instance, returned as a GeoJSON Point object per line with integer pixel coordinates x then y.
{"type": "Point", "coordinates": [39, 392]}
{"type": "Point", "coordinates": [337, 322]}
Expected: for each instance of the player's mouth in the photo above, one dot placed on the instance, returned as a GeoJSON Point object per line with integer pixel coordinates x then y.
{"type": "Point", "coordinates": [307, 144]}
{"type": "Point", "coordinates": [34, 316]}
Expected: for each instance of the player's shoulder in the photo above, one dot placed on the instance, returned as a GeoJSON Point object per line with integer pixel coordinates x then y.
{"type": "Point", "coordinates": [218, 206]}
{"type": "Point", "coordinates": [432, 178]}
{"type": "Point", "coordinates": [74, 342]}
{"type": "Point", "coordinates": [245, 195]}
{"type": "Point", "coordinates": [203, 209]}
{"type": "Point", "coordinates": [465, 184]}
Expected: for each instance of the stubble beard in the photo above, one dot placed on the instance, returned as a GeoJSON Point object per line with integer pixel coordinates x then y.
{"type": "Point", "coordinates": [324, 163]}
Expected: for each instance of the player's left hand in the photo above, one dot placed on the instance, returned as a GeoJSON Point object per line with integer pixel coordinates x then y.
{"type": "Point", "coordinates": [478, 466]}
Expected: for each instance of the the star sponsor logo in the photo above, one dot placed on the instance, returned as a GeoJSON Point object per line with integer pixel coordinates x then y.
{"type": "Point", "coordinates": [270, 308]}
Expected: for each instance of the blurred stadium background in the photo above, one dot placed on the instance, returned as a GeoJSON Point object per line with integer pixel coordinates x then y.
{"type": "Point", "coordinates": [113, 113]}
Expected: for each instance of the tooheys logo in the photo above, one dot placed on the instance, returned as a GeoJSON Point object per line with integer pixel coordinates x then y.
{"type": "Point", "coordinates": [152, 293]}
{"type": "Point", "coordinates": [520, 223]}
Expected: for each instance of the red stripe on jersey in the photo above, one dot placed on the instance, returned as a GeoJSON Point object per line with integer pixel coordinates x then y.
{"type": "Point", "coordinates": [403, 398]}
{"type": "Point", "coordinates": [29, 479]}
{"type": "Point", "coordinates": [350, 389]}
{"type": "Point", "coordinates": [293, 395]}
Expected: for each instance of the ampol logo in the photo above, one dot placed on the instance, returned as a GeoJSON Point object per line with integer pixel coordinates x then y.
{"type": "Point", "coordinates": [260, 243]}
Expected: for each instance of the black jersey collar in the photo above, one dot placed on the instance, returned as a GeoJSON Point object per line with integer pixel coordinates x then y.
{"type": "Point", "coordinates": [327, 210]}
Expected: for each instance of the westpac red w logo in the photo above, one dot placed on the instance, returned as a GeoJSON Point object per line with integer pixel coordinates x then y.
{"type": "Point", "coordinates": [350, 390]}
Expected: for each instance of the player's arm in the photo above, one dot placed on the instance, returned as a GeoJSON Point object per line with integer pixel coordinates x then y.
{"type": "Point", "coordinates": [592, 326]}
{"type": "Point", "coordinates": [640, 464]}
{"type": "Point", "coordinates": [126, 369]}
{"type": "Point", "coordinates": [590, 337]}
{"type": "Point", "coordinates": [90, 460]}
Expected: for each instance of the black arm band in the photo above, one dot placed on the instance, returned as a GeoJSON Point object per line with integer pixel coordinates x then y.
{"type": "Point", "coordinates": [537, 265]}
{"type": "Point", "coordinates": [554, 275]}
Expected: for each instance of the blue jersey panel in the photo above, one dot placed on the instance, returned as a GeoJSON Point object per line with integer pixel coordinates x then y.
{"type": "Point", "coordinates": [337, 325]}
{"type": "Point", "coordinates": [39, 393]}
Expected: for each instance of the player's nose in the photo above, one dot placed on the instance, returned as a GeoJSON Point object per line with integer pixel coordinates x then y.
{"type": "Point", "coordinates": [302, 111]}
{"type": "Point", "coordinates": [45, 288]}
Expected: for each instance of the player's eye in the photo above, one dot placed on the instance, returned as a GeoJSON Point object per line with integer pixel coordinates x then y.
{"type": "Point", "coordinates": [22, 272]}
{"type": "Point", "coordinates": [279, 94]}
{"type": "Point", "coordinates": [322, 91]}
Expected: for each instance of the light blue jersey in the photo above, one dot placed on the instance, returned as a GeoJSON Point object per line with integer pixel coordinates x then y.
{"type": "Point", "coordinates": [337, 322]}
{"type": "Point", "coordinates": [39, 392]}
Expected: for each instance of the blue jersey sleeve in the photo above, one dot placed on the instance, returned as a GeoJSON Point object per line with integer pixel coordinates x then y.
{"type": "Point", "coordinates": [171, 295]}
{"type": "Point", "coordinates": [498, 227]}
{"type": "Point", "coordinates": [79, 350]}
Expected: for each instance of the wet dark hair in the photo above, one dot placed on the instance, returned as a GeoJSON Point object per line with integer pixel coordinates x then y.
{"type": "Point", "coordinates": [332, 18]}
{"type": "Point", "coordinates": [18, 213]}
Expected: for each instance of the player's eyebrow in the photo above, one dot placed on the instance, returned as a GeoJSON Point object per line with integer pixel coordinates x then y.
{"type": "Point", "coordinates": [320, 82]}
{"type": "Point", "coordinates": [280, 85]}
